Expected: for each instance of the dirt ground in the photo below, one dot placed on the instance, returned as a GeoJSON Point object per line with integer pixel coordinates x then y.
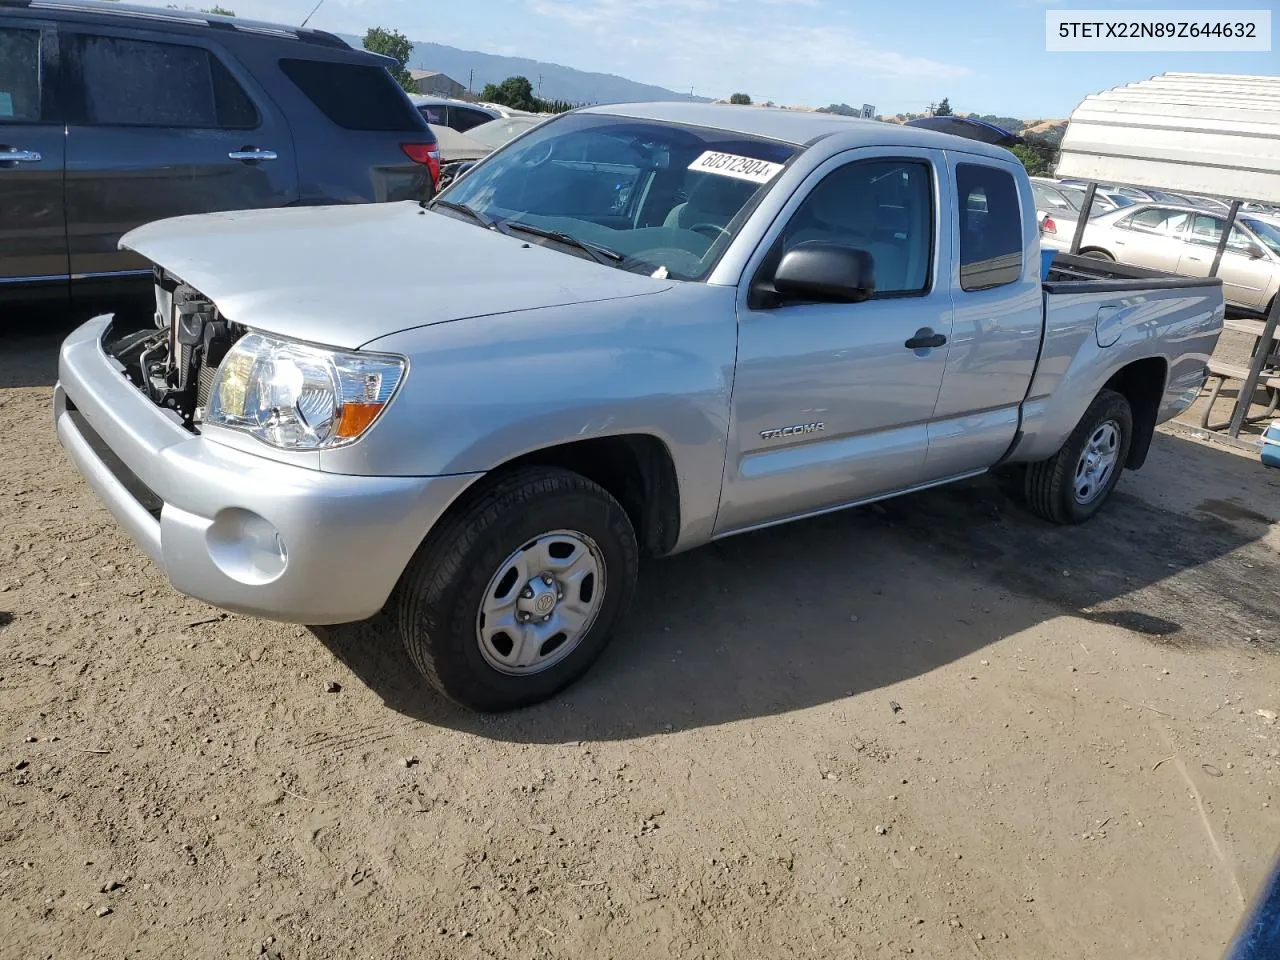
{"type": "Point", "coordinates": [936, 727]}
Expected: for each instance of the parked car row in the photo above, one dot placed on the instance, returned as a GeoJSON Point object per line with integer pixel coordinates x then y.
{"type": "Point", "coordinates": [1174, 232]}
{"type": "Point", "coordinates": [1184, 240]}
{"type": "Point", "coordinates": [112, 116]}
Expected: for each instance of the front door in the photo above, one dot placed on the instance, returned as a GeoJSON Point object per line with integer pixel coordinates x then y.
{"type": "Point", "coordinates": [1245, 269]}
{"type": "Point", "coordinates": [160, 129]}
{"type": "Point", "coordinates": [33, 234]}
{"type": "Point", "coordinates": [830, 405]}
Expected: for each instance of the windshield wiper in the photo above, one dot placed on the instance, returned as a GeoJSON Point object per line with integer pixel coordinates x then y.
{"type": "Point", "coordinates": [480, 218]}
{"type": "Point", "coordinates": [597, 253]}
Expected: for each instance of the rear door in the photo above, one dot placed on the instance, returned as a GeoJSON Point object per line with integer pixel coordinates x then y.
{"type": "Point", "coordinates": [995, 339]}
{"type": "Point", "coordinates": [1151, 237]}
{"type": "Point", "coordinates": [1245, 277]}
{"type": "Point", "coordinates": [162, 125]}
{"type": "Point", "coordinates": [33, 237]}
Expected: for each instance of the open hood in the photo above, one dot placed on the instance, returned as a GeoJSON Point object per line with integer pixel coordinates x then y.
{"type": "Point", "coordinates": [345, 275]}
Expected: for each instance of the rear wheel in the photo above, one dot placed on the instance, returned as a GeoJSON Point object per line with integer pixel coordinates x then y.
{"type": "Point", "coordinates": [513, 596]}
{"type": "Point", "coordinates": [1073, 484]}
{"type": "Point", "coordinates": [1098, 255]}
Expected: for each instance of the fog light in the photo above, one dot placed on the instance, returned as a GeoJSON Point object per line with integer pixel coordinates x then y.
{"type": "Point", "coordinates": [246, 547]}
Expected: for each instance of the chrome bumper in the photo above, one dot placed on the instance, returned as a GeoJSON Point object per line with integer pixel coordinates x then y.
{"type": "Point", "coordinates": [236, 530]}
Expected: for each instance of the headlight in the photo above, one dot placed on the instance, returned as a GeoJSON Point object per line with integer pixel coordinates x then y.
{"type": "Point", "coordinates": [300, 397]}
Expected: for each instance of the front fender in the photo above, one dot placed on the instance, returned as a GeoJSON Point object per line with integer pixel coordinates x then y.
{"type": "Point", "coordinates": [484, 391]}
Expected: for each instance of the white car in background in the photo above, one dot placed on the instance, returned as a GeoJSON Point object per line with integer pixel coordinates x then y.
{"type": "Point", "coordinates": [1102, 203]}
{"type": "Point", "coordinates": [1056, 214]}
{"type": "Point", "coordinates": [460, 115]}
{"type": "Point", "coordinates": [1184, 240]}
{"type": "Point", "coordinates": [459, 151]}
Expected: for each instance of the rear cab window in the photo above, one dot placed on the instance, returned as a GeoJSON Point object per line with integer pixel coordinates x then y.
{"type": "Point", "coordinates": [990, 227]}
{"type": "Point", "coordinates": [127, 82]}
{"type": "Point", "coordinates": [355, 96]}
{"type": "Point", "coordinates": [19, 75]}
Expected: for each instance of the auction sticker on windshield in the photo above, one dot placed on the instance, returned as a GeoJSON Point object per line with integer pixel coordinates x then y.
{"type": "Point", "coordinates": [732, 165]}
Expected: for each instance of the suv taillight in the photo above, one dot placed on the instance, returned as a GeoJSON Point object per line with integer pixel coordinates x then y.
{"type": "Point", "coordinates": [427, 154]}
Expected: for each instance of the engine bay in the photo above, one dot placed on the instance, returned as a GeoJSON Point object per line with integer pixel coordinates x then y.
{"type": "Point", "coordinates": [175, 364]}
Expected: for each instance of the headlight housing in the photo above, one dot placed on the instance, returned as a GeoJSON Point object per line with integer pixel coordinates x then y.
{"type": "Point", "coordinates": [299, 397]}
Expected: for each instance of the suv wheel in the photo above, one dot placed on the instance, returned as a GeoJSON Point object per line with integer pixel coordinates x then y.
{"type": "Point", "coordinates": [513, 596]}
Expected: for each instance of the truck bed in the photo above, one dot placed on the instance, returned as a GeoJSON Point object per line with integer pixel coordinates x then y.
{"type": "Point", "coordinates": [1103, 318]}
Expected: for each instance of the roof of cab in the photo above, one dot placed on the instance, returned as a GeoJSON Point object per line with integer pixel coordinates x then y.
{"type": "Point", "coordinates": [799, 127]}
{"type": "Point", "coordinates": [101, 10]}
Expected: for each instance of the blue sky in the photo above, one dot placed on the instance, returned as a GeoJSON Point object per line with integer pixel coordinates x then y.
{"type": "Point", "coordinates": [987, 57]}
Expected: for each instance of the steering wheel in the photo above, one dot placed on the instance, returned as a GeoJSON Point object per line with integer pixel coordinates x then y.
{"type": "Point", "coordinates": [538, 155]}
{"type": "Point", "coordinates": [711, 229]}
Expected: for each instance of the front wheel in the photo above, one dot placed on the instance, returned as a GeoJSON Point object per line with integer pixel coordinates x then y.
{"type": "Point", "coordinates": [1073, 484]}
{"type": "Point", "coordinates": [513, 596]}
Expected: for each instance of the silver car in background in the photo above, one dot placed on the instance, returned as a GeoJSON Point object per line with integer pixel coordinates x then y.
{"type": "Point", "coordinates": [1183, 240]}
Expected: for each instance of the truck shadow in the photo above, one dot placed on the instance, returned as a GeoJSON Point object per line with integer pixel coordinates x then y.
{"type": "Point", "coordinates": [846, 604]}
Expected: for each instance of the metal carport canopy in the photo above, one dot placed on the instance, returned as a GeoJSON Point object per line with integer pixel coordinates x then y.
{"type": "Point", "coordinates": [1202, 133]}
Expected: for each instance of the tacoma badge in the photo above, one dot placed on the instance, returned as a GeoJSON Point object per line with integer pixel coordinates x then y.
{"type": "Point", "coordinates": [792, 431]}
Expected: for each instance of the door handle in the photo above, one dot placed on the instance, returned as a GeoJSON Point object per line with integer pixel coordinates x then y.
{"type": "Point", "coordinates": [925, 339]}
{"type": "Point", "coordinates": [251, 154]}
{"type": "Point", "coordinates": [14, 155]}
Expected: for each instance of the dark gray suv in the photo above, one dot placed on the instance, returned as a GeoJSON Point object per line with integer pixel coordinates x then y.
{"type": "Point", "coordinates": [112, 116]}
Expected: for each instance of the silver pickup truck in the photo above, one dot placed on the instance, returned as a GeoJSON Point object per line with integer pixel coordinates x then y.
{"type": "Point", "coordinates": [632, 330]}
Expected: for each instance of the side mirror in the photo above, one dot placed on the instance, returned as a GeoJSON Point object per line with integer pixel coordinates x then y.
{"type": "Point", "coordinates": [826, 272]}
{"type": "Point", "coordinates": [1256, 252]}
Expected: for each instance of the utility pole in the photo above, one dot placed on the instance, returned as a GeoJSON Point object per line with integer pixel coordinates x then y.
{"type": "Point", "coordinates": [539, 85]}
{"type": "Point", "coordinates": [471, 79]}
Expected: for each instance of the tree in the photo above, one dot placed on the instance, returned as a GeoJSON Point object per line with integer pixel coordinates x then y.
{"type": "Point", "coordinates": [943, 109]}
{"type": "Point", "coordinates": [513, 92]}
{"type": "Point", "coordinates": [1038, 155]}
{"type": "Point", "coordinates": [393, 44]}
{"type": "Point", "coordinates": [740, 98]}
{"type": "Point", "coordinates": [221, 11]}
{"type": "Point", "coordinates": [840, 109]}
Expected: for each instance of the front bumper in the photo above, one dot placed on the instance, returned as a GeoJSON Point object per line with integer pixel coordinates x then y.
{"type": "Point", "coordinates": [236, 530]}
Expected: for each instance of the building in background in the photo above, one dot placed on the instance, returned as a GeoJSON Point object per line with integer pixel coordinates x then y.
{"type": "Point", "coordinates": [436, 84]}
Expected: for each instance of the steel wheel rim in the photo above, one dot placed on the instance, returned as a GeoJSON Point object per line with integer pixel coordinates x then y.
{"type": "Point", "coordinates": [1097, 462]}
{"type": "Point", "coordinates": [541, 603]}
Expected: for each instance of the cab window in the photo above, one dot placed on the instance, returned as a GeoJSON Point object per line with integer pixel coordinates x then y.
{"type": "Point", "coordinates": [884, 207]}
{"type": "Point", "coordinates": [990, 227]}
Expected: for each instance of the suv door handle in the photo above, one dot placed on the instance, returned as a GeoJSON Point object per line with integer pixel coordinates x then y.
{"type": "Point", "coordinates": [14, 155]}
{"type": "Point", "coordinates": [251, 154]}
{"type": "Point", "coordinates": [925, 339]}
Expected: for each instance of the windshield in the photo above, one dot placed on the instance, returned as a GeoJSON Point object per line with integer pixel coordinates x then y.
{"type": "Point", "coordinates": [497, 132]}
{"type": "Point", "coordinates": [1268, 233]}
{"type": "Point", "coordinates": [660, 198]}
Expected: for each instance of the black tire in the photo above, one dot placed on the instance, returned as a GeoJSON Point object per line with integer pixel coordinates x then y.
{"type": "Point", "coordinates": [439, 595]}
{"type": "Point", "coordinates": [1050, 484]}
{"type": "Point", "coordinates": [1098, 255]}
